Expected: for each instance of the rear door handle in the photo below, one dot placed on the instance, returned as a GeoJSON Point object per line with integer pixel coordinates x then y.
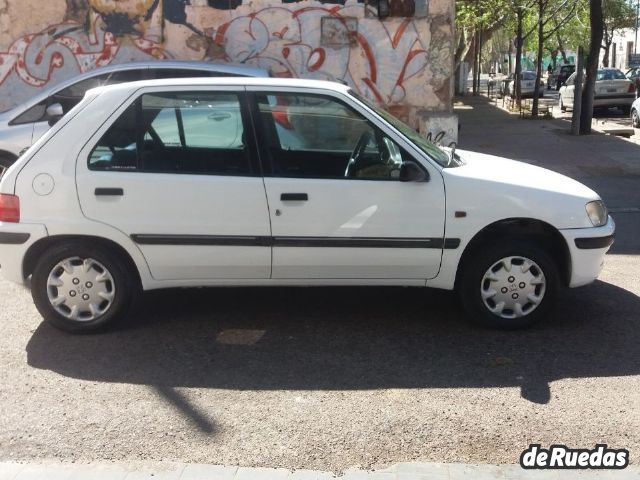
{"type": "Point", "coordinates": [294, 197]}
{"type": "Point", "coordinates": [109, 192]}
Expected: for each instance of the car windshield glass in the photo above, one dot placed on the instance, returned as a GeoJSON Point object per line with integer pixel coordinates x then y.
{"type": "Point", "coordinates": [610, 75]}
{"type": "Point", "coordinates": [528, 76]}
{"type": "Point", "coordinates": [435, 152]}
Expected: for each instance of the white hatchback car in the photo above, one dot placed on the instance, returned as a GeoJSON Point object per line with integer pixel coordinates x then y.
{"type": "Point", "coordinates": [212, 182]}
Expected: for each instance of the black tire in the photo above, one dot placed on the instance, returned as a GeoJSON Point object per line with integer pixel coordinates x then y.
{"type": "Point", "coordinates": [626, 110]}
{"type": "Point", "coordinates": [124, 286]}
{"type": "Point", "coordinates": [635, 119]}
{"type": "Point", "coordinates": [562, 107]}
{"type": "Point", "coordinates": [471, 283]}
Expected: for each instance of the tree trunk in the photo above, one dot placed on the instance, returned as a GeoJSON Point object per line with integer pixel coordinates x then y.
{"type": "Point", "coordinates": [605, 58]}
{"type": "Point", "coordinates": [536, 91]}
{"type": "Point", "coordinates": [518, 84]}
{"type": "Point", "coordinates": [597, 27]}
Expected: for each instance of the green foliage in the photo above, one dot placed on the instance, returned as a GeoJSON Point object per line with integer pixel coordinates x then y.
{"type": "Point", "coordinates": [618, 15]}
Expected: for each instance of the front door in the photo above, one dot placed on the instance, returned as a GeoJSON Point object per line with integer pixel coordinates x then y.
{"type": "Point", "coordinates": [177, 173]}
{"type": "Point", "coordinates": [338, 208]}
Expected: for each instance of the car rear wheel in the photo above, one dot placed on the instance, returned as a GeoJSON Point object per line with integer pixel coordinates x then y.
{"type": "Point", "coordinates": [635, 119]}
{"type": "Point", "coordinates": [81, 289]}
{"type": "Point", "coordinates": [509, 285]}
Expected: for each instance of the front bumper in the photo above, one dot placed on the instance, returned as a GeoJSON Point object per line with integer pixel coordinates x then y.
{"type": "Point", "coordinates": [587, 247]}
{"type": "Point", "coordinates": [15, 240]}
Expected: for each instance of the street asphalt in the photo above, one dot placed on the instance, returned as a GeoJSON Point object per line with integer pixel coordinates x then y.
{"type": "Point", "coordinates": [339, 378]}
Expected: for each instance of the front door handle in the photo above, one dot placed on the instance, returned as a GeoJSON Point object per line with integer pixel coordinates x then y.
{"type": "Point", "coordinates": [108, 192]}
{"type": "Point", "coordinates": [294, 197]}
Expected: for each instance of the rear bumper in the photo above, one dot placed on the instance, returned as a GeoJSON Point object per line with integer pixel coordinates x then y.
{"type": "Point", "coordinates": [15, 240]}
{"type": "Point", "coordinates": [587, 247]}
{"type": "Point", "coordinates": [614, 100]}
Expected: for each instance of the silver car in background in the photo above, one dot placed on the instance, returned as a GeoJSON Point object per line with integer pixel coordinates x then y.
{"type": "Point", "coordinates": [527, 85]}
{"type": "Point", "coordinates": [22, 125]}
{"type": "Point", "coordinates": [613, 89]}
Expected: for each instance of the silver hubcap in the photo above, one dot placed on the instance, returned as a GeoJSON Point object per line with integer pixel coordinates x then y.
{"type": "Point", "coordinates": [80, 289]}
{"type": "Point", "coordinates": [513, 287]}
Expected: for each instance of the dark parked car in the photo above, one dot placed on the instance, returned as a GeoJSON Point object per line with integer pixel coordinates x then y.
{"type": "Point", "coordinates": [559, 76]}
{"type": "Point", "coordinates": [633, 74]}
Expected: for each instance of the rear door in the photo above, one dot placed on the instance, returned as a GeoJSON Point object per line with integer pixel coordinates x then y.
{"type": "Point", "coordinates": [177, 172]}
{"type": "Point", "coordinates": [528, 82]}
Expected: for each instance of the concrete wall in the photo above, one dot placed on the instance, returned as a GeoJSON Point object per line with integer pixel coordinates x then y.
{"type": "Point", "coordinates": [404, 63]}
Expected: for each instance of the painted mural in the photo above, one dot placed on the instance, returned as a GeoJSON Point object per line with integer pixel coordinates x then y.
{"type": "Point", "coordinates": [402, 63]}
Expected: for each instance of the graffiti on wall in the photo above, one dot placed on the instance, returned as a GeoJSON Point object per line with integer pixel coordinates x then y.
{"type": "Point", "coordinates": [380, 61]}
{"type": "Point", "coordinates": [396, 61]}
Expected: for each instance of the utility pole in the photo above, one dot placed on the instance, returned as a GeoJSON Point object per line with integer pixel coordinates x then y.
{"type": "Point", "coordinates": [635, 44]}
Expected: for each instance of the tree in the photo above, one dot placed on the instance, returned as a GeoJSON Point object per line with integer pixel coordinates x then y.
{"type": "Point", "coordinates": [471, 17]}
{"type": "Point", "coordinates": [552, 16]}
{"type": "Point", "coordinates": [597, 30]}
{"type": "Point", "coordinates": [617, 15]}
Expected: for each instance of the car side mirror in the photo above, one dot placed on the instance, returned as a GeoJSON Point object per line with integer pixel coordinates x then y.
{"type": "Point", "coordinates": [53, 113]}
{"type": "Point", "coordinates": [412, 172]}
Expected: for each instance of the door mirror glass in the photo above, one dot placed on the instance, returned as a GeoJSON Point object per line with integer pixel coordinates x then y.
{"type": "Point", "coordinates": [411, 172]}
{"type": "Point", "coordinates": [54, 113]}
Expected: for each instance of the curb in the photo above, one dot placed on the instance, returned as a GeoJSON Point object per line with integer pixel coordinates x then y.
{"type": "Point", "coordinates": [181, 471]}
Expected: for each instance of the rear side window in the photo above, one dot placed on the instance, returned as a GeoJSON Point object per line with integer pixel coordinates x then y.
{"type": "Point", "coordinates": [201, 133]}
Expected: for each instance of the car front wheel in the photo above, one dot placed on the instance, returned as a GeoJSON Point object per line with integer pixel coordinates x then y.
{"type": "Point", "coordinates": [562, 107]}
{"type": "Point", "coordinates": [509, 285]}
{"type": "Point", "coordinates": [635, 118]}
{"type": "Point", "coordinates": [81, 289]}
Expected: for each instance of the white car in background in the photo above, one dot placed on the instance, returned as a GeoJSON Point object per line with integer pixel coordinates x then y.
{"type": "Point", "coordinates": [245, 182]}
{"type": "Point", "coordinates": [22, 125]}
{"type": "Point", "coordinates": [635, 113]}
{"type": "Point", "coordinates": [613, 89]}
{"type": "Point", "coordinates": [527, 85]}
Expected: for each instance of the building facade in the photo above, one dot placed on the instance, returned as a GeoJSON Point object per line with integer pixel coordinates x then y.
{"type": "Point", "coordinates": [398, 53]}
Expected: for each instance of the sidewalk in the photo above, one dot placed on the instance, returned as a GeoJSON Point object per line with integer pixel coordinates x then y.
{"type": "Point", "coordinates": [401, 471]}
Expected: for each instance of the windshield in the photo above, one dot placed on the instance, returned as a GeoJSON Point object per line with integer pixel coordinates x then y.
{"type": "Point", "coordinates": [431, 149]}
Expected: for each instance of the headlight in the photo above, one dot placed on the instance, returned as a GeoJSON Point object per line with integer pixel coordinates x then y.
{"type": "Point", "coordinates": [597, 213]}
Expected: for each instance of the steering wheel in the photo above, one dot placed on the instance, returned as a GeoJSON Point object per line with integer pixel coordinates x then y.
{"type": "Point", "coordinates": [352, 166]}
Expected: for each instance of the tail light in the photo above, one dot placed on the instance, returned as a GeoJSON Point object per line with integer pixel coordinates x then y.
{"type": "Point", "coordinates": [9, 208]}
{"type": "Point", "coordinates": [632, 88]}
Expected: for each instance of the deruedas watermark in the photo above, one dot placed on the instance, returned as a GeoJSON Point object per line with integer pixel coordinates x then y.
{"type": "Point", "coordinates": [563, 457]}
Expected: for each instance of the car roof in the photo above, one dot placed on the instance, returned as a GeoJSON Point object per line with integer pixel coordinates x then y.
{"type": "Point", "coordinates": [225, 68]}
{"type": "Point", "coordinates": [225, 81]}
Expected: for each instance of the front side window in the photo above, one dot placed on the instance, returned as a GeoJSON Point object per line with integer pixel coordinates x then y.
{"type": "Point", "coordinates": [200, 132]}
{"type": "Point", "coordinates": [433, 151]}
{"type": "Point", "coordinates": [314, 136]}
